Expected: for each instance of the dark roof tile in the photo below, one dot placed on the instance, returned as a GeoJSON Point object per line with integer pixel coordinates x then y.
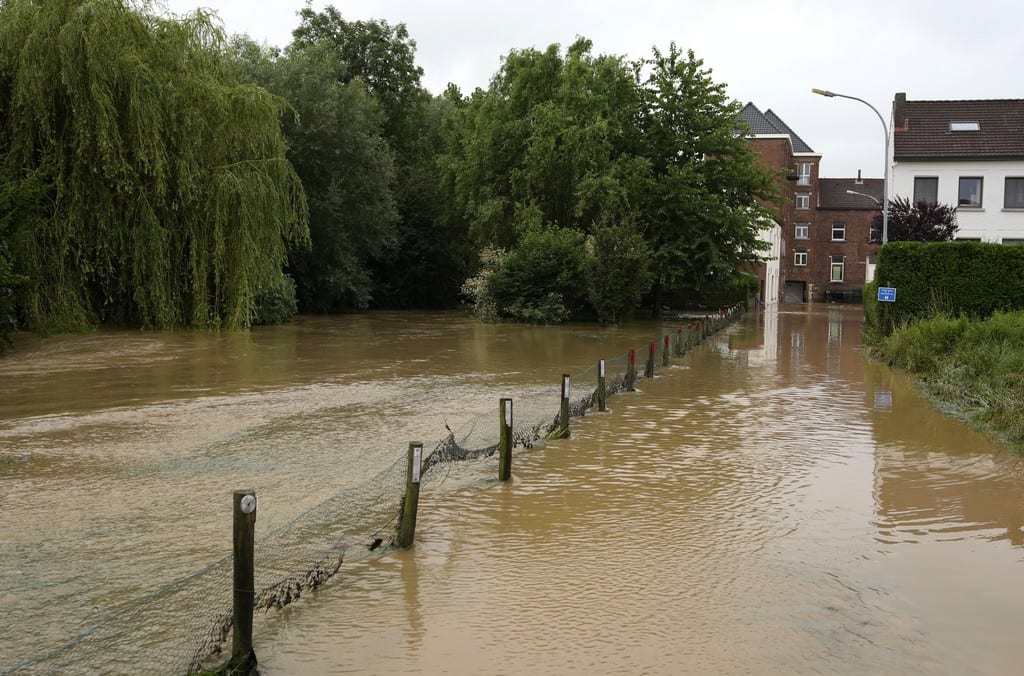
{"type": "Point", "coordinates": [770, 124]}
{"type": "Point", "coordinates": [927, 136]}
{"type": "Point", "coordinates": [832, 193]}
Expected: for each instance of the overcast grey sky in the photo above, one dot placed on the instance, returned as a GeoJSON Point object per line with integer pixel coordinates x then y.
{"type": "Point", "coordinates": [767, 52]}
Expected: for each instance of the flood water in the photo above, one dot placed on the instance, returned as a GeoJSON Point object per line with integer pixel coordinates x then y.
{"type": "Point", "coordinates": [773, 502]}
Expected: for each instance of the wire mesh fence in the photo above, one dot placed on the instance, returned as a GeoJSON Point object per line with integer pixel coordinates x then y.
{"type": "Point", "coordinates": [185, 626]}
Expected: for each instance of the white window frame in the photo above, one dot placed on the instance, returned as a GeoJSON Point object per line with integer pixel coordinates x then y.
{"type": "Point", "coordinates": [803, 201]}
{"type": "Point", "coordinates": [803, 173]}
{"type": "Point", "coordinates": [964, 125]}
{"type": "Point", "coordinates": [1008, 193]}
{"type": "Point", "coordinates": [981, 193]}
{"type": "Point", "coordinates": [841, 227]}
{"type": "Point", "coordinates": [805, 228]}
{"type": "Point", "coordinates": [917, 191]}
{"type": "Point", "coordinates": [841, 266]}
{"type": "Point", "coordinates": [800, 259]}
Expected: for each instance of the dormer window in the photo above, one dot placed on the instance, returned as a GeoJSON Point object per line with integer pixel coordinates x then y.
{"type": "Point", "coordinates": [965, 126]}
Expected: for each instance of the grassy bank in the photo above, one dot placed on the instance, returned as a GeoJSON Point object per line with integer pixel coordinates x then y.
{"type": "Point", "coordinates": [976, 368]}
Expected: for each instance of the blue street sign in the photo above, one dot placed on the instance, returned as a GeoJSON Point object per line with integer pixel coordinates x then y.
{"type": "Point", "coordinates": [887, 294]}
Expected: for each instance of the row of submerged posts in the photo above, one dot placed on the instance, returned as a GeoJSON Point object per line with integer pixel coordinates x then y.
{"type": "Point", "coordinates": [203, 623]}
{"type": "Point", "coordinates": [243, 658]}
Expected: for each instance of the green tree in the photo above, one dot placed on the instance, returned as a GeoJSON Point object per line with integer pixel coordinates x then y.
{"type": "Point", "coordinates": [551, 132]}
{"type": "Point", "coordinates": [542, 280]}
{"type": "Point", "coordinates": [335, 142]}
{"type": "Point", "coordinates": [618, 270]}
{"type": "Point", "coordinates": [428, 260]}
{"type": "Point", "coordinates": [917, 222]}
{"type": "Point", "coordinates": [8, 284]}
{"type": "Point", "coordinates": [702, 212]}
{"type": "Point", "coordinates": [160, 194]}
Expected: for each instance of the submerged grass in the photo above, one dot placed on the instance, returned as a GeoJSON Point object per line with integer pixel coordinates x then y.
{"type": "Point", "coordinates": [974, 367]}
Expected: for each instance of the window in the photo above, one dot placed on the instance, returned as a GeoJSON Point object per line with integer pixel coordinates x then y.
{"type": "Point", "coordinates": [1013, 195]}
{"type": "Point", "coordinates": [803, 231]}
{"type": "Point", "coordinates": [970, 191]}
{"type": "Point", "coordinates": [1012, 242]}
{"type": "Point", "coordinates": [839, 232]}
{"type": "Point", "coordinates": [838, 263]}
{"type": "Point", "coordinates": [803, 173]}
{"type": "Point", "coordinates": [800, 258]}
{"type": "Point", "coordinates": [803, 200]}
{"type": "Point", "coordinates": [965, 126]}
{"type": "Point", "coordinates": [926, 189]}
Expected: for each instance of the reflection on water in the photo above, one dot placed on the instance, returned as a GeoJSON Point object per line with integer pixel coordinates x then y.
{"type": "Point", "coordinates": [773, 502]}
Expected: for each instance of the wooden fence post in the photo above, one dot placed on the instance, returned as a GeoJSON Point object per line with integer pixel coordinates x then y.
{"type": "Point", "coordinates": [649, 369]}
{"type": "Point", "coordinates": [631, 372]}
{"type": "Point", "coordinates": [407, 526]}
{"type": "Point", "coordinates": [602, 387]}
{"type": "Point", "coordinates": [561, 430]}
{"type": "Point", "coordinates": [505, 440]}
{"type": "Point", "coordinates": [679, 341]}
{"type": "Point", "coordinates": [243, 657]}
{"type": "Point", "coordinates": [665, 352]}
{"type": "Point", "coordinates": [563, 413]}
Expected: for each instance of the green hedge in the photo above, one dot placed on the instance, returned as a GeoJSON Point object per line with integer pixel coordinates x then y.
{"type": "Point", "coordinates": [972, 279]}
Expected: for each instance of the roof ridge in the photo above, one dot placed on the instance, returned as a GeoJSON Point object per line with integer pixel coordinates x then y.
{"type": "Point", "coordinates": [777, 122]}
{"type": "Point", "coordinates": [1006, 100]}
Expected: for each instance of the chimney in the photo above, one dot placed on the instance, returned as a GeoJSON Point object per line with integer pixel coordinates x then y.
{"type": "Point", "coordinates": [899, 112]}
{"type": "Point", "coordinates": [860, 180]}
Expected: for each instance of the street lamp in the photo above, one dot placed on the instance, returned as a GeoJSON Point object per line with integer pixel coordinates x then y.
{"type": "Point", "coordinates": [870, 197]}
{"type": "Point", "coordinates": [885, 166]}
{"type": "Point", "coordinates": [864, 194]}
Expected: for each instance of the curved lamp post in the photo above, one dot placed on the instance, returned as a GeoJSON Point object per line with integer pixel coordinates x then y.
{"type": "Point", "coordinates": [885, 165]}
{"type": "Point", "coordinates": [870, 197]}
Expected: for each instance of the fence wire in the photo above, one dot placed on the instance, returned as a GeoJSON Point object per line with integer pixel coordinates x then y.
{"type": "Point", "coordinates": [185, 627]}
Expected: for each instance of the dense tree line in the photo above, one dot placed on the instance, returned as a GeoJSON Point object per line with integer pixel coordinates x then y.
{"type": "Point", "coordinates": [633, 172]}
{"type": "Point", "coordinates": [154, 173]}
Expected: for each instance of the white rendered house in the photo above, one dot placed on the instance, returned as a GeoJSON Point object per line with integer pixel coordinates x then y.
{"type": "Point", "coordinates": [968, 154]}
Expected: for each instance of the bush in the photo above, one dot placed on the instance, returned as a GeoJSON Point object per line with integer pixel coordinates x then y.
{"type": "Point", "coordinates": [275, 304]}
{"type": "Point", "coordinates": [974, 279]}
{"type": "Point", "coordinates": [476, 289]}
{"type": "Point", "coordinates": [542, 280]}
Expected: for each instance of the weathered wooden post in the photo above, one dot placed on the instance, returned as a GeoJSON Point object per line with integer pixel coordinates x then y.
{"type": "Point", "coordinates": [562, 430]}
{"type": "Point", "coordinates": [689, 336]}
{"type": "Point", "coordinates": [631, 372]}
{"type": "Point", "coordinates": [679, 341]}
{"type": "Point", "coordinates": [602, 387]}
{"type": "Point", "coordinates": [505, 440]}
{"type": "Point", "coordinates": [649, 368]}
{"type": "Point", "coordinates": [407, 526]}
{"type": "Point", "coordinates": [243, 657]}
{"type": "Point", "coordinates": [665, 352]}
{"type": "Point", "coordinates": [563, 413]}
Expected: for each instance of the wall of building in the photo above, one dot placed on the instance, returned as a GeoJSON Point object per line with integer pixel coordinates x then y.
{"type": "Point", "coordinates": [992, 222]}
{"type": "Point", "coordinates": [854, 248]}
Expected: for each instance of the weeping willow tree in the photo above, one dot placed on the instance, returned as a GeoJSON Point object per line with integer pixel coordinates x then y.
{"type": "Point", "coordinates": [142, 185]}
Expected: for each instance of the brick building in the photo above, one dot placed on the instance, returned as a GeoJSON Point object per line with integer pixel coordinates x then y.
{"type": "Point", "coordinates": [826, 253]}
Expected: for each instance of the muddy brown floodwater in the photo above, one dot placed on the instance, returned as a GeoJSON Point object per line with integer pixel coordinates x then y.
{"type": "Point", "coordinates": [771, 503]}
